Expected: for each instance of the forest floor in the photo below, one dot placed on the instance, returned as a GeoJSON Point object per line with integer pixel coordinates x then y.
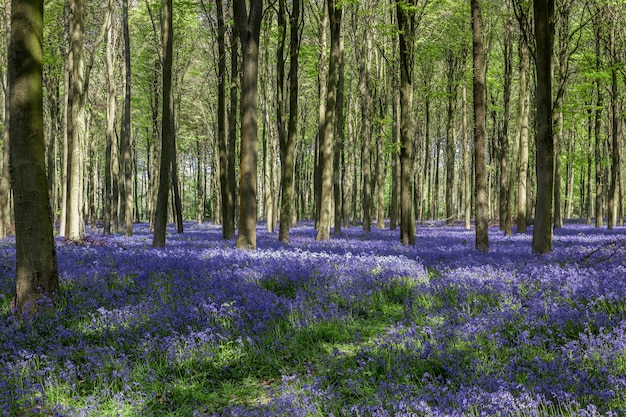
{"type": "Point", "coordinates": [355, 326]}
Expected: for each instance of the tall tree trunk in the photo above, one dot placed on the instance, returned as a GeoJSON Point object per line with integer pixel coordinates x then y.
{"type": "Point", "coordinates": [322, 83]}
{"type": "Point", "coordinates": [288, 148]}
{"type": "Point", "coordinates": [522, 136]}
{"type": "Point", "coordinates": [480, 114]}
{"type": "Point", "coordinates": [616, 167]}
{"type": "Point", "coordinates": [599, 154]}
{"type": "Point", "coordinates": [380, 167]}
{"type": "Point", "coordinates": [167, 130]}
{"type": "Point", "coordinates": [467, 182]}
{"type": "Point", "coordinates": [328, 143]}
{"type": "Point", "coordinates": [249, 28]}
{"type": "Point", "coordinates": [506, 223]}
{"type": "Point", "coordinates": [544, 36]}
{"type": "Point", "coordinates": [36, 264]}
{"type": "Point", "coordinates": [226, 192]}
{"type": "Point", "coordinates": [75, 123]}
{"type": "Point", "coordinates": [338, 175]}
{"type": "Point", "coordinates": [5, 178]}
{"type": "Point", "coordinates": [452, 62]}
{"type": "Point", "coordinates": [366, 129]}
{"type": "Point", "coordinates": [407, 28]}
{"type": "Point", "coordinates": [125, 139]}
{"type": "Point", "coordinates": [110, 124]}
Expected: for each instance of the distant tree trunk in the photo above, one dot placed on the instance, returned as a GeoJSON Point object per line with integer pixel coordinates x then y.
{"type": "Point", "coordinates": [36, 265]}
{"type": "Point", "coordinates": [200, 181]}
{"type": "Point", "coordinates": [380, 169]}
{"type": "Point", "coordinates": [395, 171]}
{"type": "Point", "coordinates": [406, 26]}
{"type": "Point", "coordinates": [226, 191]}
{"type": "Point", "coordinates": [178, 206]}
{"type": "Point", "coordinates": [110, 125]}
{"type": "Point", "coordinates": [467, 182]}
{"type": "Point", "coordinates": [452, 62]}
{"type": "Point", "coordinates": [328, 143]}
{"type": "Point", "coordinates": [125, 140]}
{"type": "Point", "coordinates": [288, 148]}
{"type": "Point", "coordinates": [228, 211]}
{"type": "Point", "coordinates": [249, 28]}
{"type": "Point", "coordinates": [366, 129]}
{"type": "Point", "coordinates": [599, 154]}
{"type": "Point", "coordinates": [544, 36]}
{"type": "Point", "coordinates": [506, 223]}
{"type": "Point", "coordinates": [167, 130]}
{"type": "Point", "coordinates": [522, 136]}
{"type": "Point", "coordinates": [480, 110]}
{"type": "Point", "coordinates": [616, 166]}
{"type": "Point", "coordinates": [338, 175]}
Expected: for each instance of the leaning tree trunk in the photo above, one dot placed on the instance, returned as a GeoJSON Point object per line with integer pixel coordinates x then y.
{"type": "Point", "coordinates": [544, 36]}
{"type": "Point", "coordinates": [36, 264]}
{"type": "Point", "coordinates": [480, 110]}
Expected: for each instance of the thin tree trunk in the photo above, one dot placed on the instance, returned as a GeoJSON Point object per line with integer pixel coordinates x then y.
{"type": "Point", "coordinates": [452, 62]}
{"type": "Point", "coordinates": [338, 175]}
{"type": "Point", "coordinates": [616, 167]}
{"type": "Point", "coordinates": [366, 129]}
{"type": "Point", "coordinates": [321, 123]}
{"type": "Point", "coordinates": [506, 223]}
{"type": "Point", "coordinates": [522, 137]}
{"type": "Point", "coordinates": [110, 125]}
{"type": "Point", "coordinates": [480, 108]}
{"type": "Point", "coordinates": [125, 142]}
{"type": "Point", "coordinates": [467, 183]}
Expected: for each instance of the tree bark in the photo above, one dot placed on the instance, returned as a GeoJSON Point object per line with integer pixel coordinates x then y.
{"type": "Point", "coordinates": [125, 140]}
{"type": "Point", "coordinates": [36, 264]}
{"type": "Point", "coordinates": [366, 129]}
{"type": "Point", "coordinates": [452, 62]}
{"type": "Point", "coordinates": [480, 110]}
{"type": "Point", "coordinates": [249, 28]}
{"type": "Point", "coordinates": [328, 142]}
{"type": "Point", "coordinates": [288, 148]}
{"type": "Point", "coordinates": [467, 182]}
{"type": "Point", "coordinates": [167, 131]}
{"type": "Point", "coordinates": [406, 26]}
{"type": "Point", "coordinates": [544, 36]}
{"type": "Point", "coordinates": [338, 174]}
{"type": "Point", "coordinates": [506, 223]}
{"type": "Point", "coordinates": [110, 123]}
{"type": "Point", "coordinates": [522, 136]}
{"type": "Point", "coordinates": [616, 167]}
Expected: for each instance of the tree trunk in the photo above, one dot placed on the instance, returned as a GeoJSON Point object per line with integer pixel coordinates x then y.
{"type": "Point", "coordinates": [5, 180]}
{"type": "Point", "coordinates": [467, 183]}
{"type": "Point", "coordinates": [452, 62]}
{"type": "Point", "coordinates": [616, 167]}
{"type": "Point", "coordinates": [480, 110]}
{"type": "Point", "coordinates": [544, 36]}
{"type": "Point", "coordinates": [406, 26]}
{"type": "Point", "coordinates": [36, 265]}
{"type": "Point", "coordinates": [506, 223]}
{"type": "Point", "coordinates": [167, 130]}
{"type": "Point", "coordinates": [125, 140]}
{"type": "Point", "coordinates": [522, 136]}
{"type": "Point", "coordinates": [110, 124]}
{"type": "Point", "coordinates": [599, 154]}
{"type": "Point", "coordinates": [338, 174]}
{"type": "Point", "coordinates": [322, 83]}
{"type": "Point", "coordinates": [328, 142]}
{"type": "Point", "coordinates": [75, 123]}
{"type": "Point", "coordinates": [249, 28]}
{"type": "Point", "coordinates": [366, 129]}
{"type": "Point", "coordinates": [288, 148]}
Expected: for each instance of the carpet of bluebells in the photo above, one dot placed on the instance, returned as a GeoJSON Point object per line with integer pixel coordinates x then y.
{"type": "Point", "coordinates": [356, 326]}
